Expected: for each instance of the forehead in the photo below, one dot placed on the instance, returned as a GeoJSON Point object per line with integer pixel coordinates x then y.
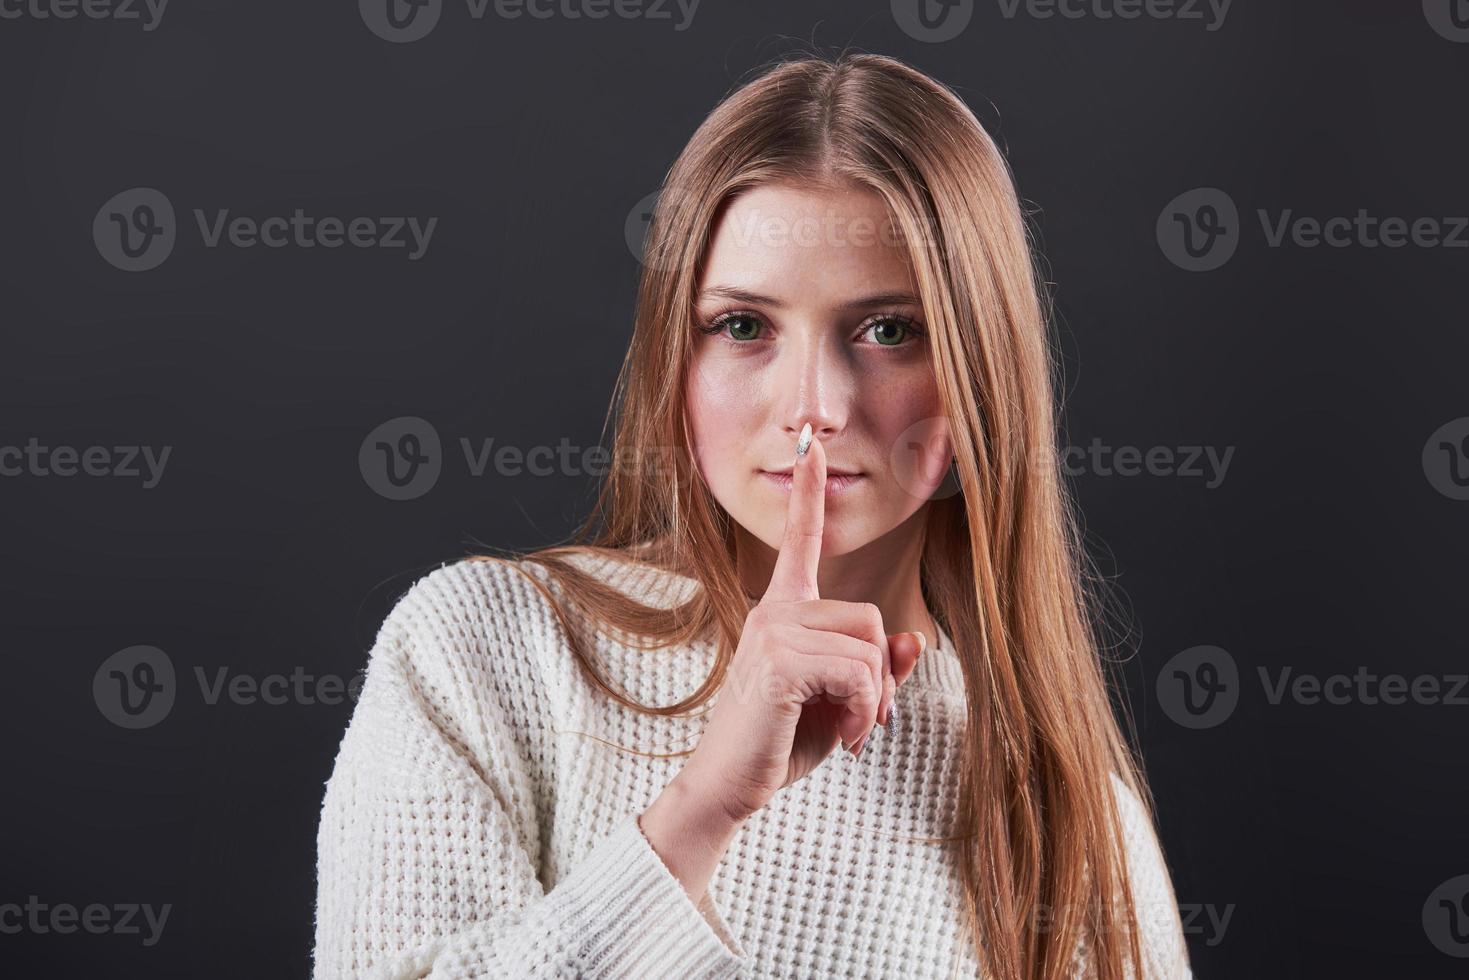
{"type": "Point", "coordinates": [807, 243]}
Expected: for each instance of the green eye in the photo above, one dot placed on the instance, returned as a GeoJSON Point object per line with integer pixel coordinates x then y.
{"type": "Point", "coordinates": [735, 331]}
{"type": "Point", "coordinates": [892, 331]}
{"type": "Point", "coordinates": [743, 327]}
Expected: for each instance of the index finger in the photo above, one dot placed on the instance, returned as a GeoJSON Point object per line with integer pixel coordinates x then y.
{"type": "Point", "coordinates": [794, 577]}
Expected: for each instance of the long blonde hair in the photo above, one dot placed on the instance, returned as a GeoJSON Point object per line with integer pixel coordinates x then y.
{"type": "Point", "coordinates": [1003, 568]}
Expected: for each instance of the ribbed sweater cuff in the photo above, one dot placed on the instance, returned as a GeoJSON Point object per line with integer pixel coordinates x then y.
{"type": "Point", "coordinates": [639, 919]}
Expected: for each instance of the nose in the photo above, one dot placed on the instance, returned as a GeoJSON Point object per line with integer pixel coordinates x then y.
{"type": "Point", "coordinates": [813, 384]}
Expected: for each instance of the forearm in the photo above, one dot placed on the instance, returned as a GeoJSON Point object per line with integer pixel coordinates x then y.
{"type": "Point", "coordinates": [688, 833]}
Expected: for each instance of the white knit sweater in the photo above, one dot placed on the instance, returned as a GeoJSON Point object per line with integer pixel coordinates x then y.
{"type": "Point", "coordinates": [477, 824]}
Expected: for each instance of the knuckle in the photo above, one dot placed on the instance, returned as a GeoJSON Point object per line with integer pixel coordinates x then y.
{"type": "Point", "coordinates": [776, 686]}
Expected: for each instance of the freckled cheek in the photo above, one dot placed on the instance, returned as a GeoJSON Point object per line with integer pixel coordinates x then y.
{"type": "Point", "coordinates": [908, 428]}
{"type": "Point", "coordinates": [899, 403]}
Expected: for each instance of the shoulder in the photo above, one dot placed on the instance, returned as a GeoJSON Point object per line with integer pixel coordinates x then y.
{"type": "Point", "coordinates": [636, 573]}
{"type": "Point", "coordinates": [1144, 853]}
{"type": "Point", "coordinates": [1130, 808]}
{"type": "Point", "coordinates": [506, 618]}
{"type": "Point", "coordinates": [468, 595]}
{"type": "Point", "coordinates": [454, 704]}
{"type": "Point", "coordinates": [1160, 930]}
{"type": "Point", "coordinates": [465, 638]}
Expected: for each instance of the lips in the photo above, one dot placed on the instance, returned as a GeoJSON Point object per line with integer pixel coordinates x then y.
{"type": "Point", "coordinates": [835, 482]}
{"type": "Point", "coordinates": [830, 471]}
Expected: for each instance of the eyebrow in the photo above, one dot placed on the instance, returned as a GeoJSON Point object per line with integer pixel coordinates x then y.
{"type": "Point", "coordinates": [867, 302]}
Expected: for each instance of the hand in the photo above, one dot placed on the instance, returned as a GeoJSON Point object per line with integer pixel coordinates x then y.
{"type": "Point", "coordinates": [808, 673]}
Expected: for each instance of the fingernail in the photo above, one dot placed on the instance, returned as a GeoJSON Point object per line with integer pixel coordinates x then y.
{"type": "Point", "coordinates": [804, 443]}
{"type": "Point", "coordinates": [893, 719]}
{"type": "Point", "coordinates": [857, 749]}
{"type": "Point", "coordinates": [922, 641]}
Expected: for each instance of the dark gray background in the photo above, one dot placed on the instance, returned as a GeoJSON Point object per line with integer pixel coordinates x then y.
{"type": "Point", "coordinates": [263, 548]}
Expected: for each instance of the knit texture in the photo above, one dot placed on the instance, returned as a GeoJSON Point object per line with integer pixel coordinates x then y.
{"type": "Point", "coordinates": [478, 824]}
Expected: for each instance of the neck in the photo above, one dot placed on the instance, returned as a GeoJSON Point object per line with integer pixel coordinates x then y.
{"type": "Point", "coordinates": [885, 572]}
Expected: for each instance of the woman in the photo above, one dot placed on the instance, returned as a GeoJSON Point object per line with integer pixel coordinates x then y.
{"type": "Point", "coordinates": [835, 517]}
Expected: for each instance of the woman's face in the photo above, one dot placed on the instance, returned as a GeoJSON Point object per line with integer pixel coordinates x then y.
{"type": "Point", "coordinates": [814, 316]}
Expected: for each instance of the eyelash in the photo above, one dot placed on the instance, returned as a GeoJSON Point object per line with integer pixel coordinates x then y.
{"type": "Point", "coordinates": [717, 325]}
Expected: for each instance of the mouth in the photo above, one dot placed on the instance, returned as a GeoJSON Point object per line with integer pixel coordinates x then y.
{"type": "Point", "coordinates": [837, 481]}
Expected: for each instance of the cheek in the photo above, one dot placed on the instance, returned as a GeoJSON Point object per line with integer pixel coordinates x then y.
{"type": "Point", "coordinates": [910, 427]}
{"type": "Point", "coordinates": [721, 410]}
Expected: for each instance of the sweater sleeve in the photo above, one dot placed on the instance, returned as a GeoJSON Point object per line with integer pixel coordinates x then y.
{"type": "Point", "coordinates": [430, 833]}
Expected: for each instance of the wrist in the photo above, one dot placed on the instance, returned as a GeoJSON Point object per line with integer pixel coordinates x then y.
{"type": "Point", "coordinates": [698, 813]}
{"type": "Point", "coordinates": [689, 833]}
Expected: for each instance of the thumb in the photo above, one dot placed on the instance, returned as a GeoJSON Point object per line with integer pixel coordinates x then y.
{"type": "Point", "coordinates": [905, 649]}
